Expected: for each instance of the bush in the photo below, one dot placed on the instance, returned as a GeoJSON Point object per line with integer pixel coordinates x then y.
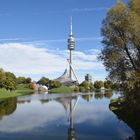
{"type": "Point", "coordinates": [32, 86]}
{"type": "Point", "coordinates": [54, 84]}
{"type": "Point", "coordinates": [76, 89]}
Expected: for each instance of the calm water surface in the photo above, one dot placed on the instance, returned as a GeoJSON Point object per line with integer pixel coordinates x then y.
{"type": "Point", "coordinates": [61, 117]}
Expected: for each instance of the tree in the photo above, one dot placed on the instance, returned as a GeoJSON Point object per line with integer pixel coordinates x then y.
{"type": "Point", "coordinates": [2, 78]}
{"type": "Point", "coordinates": [98, 84]}
{"type": "Point", "coordinates": [54, 84]}
{"type": "Point", "coordinates": [7, 80]}
{"type": "Point", "coordinates": [43, 81]}
{"type": "Point", "coordinates": [87, 85]}
{"type": "Point", "coordinates": [28, 80]}
{"type": "Point", "coordinates": [108, 84]}
{"type": "Point", "coordinates": [121, 40]}
{"type": "Point", "coordinates": [21, 80]}
{"type": "Point", "coordinates": [32, 86]}
{"type": "Point", "coordinates": [10, 81]}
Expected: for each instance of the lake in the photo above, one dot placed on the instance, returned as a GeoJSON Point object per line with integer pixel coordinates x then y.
{"type": "Point", "coordinates": [74, 116]}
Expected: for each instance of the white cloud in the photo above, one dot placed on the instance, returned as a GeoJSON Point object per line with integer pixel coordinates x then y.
{"type": "Point", "coordinates": [83, 56]}
{"type": "Point", "coordinates": [94, 51]}
{"type": "Point", "coordinates": [26, 59]}
{"type": "Point", "coordinates": [10, 39]}
{"type": "Point", "coordinates": [78, 39]}
{"type": "Point", "coordinates": [30, 59]}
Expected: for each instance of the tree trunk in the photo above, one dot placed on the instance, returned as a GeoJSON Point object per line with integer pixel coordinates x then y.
{"type": "Point", "coordinates": [130, 58]}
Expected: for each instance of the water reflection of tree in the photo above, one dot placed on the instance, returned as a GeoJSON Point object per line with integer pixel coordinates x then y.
{"type": "Point", "coordinates": [108, 95]}
{"type": "Point", "coordinates": [43, 101]}
{"type": "Point", "coordinates": [87, 97]}
{"type": "Point", "coordinates": [129, 111]}
{"type": "Point", "coordinates": [99, 96]}
{"type": "Point", "coordinates": [7, 107]}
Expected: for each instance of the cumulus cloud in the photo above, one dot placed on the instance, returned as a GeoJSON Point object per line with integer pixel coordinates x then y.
{"type": "Point", "coordinates": [30, 59]}
{"type": "Point", "coordinates": [26, 59]}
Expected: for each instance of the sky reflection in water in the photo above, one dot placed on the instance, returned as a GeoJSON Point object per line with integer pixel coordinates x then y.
{"type": "Point", "coordinates": [45, 119]}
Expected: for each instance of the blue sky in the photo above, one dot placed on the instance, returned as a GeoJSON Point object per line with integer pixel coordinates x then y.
{"type": "Point", "coordinates": [33, 36]}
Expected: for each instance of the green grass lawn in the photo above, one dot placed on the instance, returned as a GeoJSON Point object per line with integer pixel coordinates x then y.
{"type": "Point", "coordinates": [114, 100]}
{"type": "Point", "coordinates": [21, 90]}
{"type": "Point", "coordinates": [62, 89]}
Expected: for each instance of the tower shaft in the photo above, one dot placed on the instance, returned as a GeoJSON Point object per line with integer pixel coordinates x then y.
{"type": "Point", "coordinates": [71, 45]}
{"type": "Point", "coordinates": [70, 68]}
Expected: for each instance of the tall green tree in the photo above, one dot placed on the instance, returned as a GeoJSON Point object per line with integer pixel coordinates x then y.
{"type": "Point", "coordinates": [121, 40]}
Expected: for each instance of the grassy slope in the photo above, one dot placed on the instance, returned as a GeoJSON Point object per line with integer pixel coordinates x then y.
{"type": "Point", "coordinates": [62, 90]}
{"type": "Point", "coordinates": [21, 90]}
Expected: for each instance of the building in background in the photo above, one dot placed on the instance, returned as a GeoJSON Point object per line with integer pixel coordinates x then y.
{"type": "Point", "coordinates": [88, 78]}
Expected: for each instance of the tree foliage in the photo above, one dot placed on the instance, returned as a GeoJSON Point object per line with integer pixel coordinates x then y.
{"type": "Point", "coordinates": [121, 40]}
{"type": "Point", "coordinates": [86, 85]}
{"type": "Point", "coordinates": [98, 84]}
{"type": "Point", "coordinates": [24, 80]}
{"type": "Point", "coordinates": [54, 84]}
{"type": "Point", "coordinates": [7, 80]}
{"type": "Point", "coordinates": [108, 84]}
{"type": "Point", "coordinates": [43, 81]}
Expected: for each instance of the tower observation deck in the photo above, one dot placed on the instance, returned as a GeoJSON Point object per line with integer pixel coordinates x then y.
{"type": "Point", "coordinates": [71, 40]}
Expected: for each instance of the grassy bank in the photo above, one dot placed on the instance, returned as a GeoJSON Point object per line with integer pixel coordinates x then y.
{"type": "Point", "coordinates": [61, 90]}
{"type": "Point", "coordinates": [21, 90]}
{"type": "Point", "coordinates": [114, 104]}
{"type": "Point", "coordinates": [114, 100]}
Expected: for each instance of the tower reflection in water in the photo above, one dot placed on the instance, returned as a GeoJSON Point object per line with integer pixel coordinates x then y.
{"type": "Point", "coordinates": [69, 103]}
{"type": "Point", "coordinates": [71, 130]}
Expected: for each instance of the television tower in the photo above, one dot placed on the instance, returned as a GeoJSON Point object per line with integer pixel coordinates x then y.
{"type": "Point", "coordinates": [71, 46]}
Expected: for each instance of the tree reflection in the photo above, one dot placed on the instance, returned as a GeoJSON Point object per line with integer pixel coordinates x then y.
{"type": "Point", "coordinates": [7, 106]}
{"type": "Point", "coordinates": [128, 110]}
{"type": "Point", "coordinates": [44, 101]}
{"type": "Point", "coordinates": [87, 97]}
{"type": "Point", "coordinates": [99, 96]}
{"type": "Point", "coordinates": [108, 95]}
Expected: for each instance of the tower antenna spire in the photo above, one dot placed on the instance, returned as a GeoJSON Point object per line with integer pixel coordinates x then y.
{"type": "Point", "coordinates": [71, 25]}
